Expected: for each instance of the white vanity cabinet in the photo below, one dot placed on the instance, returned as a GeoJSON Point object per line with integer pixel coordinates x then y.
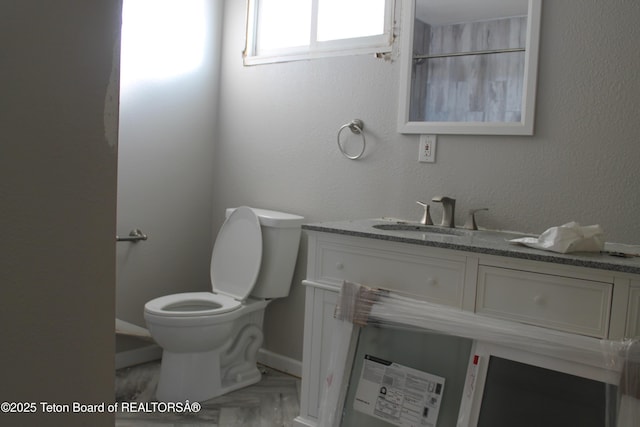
{"type": "Point", "coordinates": [587, 301]}
{"type": "Point", "coordinates": [438, 276]}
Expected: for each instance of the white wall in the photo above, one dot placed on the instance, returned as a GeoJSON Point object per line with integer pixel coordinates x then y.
{"type": "Point", "coordinates": [166, 144]}
{"type": "Point", "coordinates": [278, 123]}
{"type": "Point", "coordinates": [58, 127]}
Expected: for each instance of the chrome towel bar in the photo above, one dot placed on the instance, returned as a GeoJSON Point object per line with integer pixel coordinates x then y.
{"type": "Point", "coordinates": [134, 236]}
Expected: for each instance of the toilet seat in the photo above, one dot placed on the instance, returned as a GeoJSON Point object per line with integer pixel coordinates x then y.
{"type": "Point", "coordinates": [235, 264]}
{"type": "Point", "coordinates": [191, 304]}
{"type": "Point", "coordinates": [237, 254]}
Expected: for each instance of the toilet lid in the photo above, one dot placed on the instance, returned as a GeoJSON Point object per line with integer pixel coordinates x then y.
{"type": "Point", "coordinates": [237, 254]}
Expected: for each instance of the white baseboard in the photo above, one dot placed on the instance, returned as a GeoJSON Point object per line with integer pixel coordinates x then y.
{"type": "Point", "coordinates": [154, 352]}
{"type": "Point", "coordinates": [301, 421]}
{"type": "Point", "coordinates": [148, 353]}
{"type": "Point", "coordinates": [280, 362]}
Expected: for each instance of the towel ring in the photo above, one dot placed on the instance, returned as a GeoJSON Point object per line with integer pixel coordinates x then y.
{"type": "Point", "coordinates": [356, 126]}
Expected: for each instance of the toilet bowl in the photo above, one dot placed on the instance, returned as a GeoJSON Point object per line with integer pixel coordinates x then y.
{"type": "Point", "coordinates": [210, 340]}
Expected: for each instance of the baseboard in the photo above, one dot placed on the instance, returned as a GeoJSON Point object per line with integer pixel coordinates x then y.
{"type": "Point", "coordinates": [152, 352]}
{"type": "Point", "coordinates": [279, 362]}
{"type": "Point", "coordinates": [148, 353]}
{"type": "Point", "coordinates": [301, 421]}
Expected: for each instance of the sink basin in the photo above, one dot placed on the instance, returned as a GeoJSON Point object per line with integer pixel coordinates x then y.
{"type": "Point", "coordinates": [423, 229]}
{"type": "Point", "coordinates": [488, 235]}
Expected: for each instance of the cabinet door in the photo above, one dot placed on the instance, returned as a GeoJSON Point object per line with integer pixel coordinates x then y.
{"type": "Point", "coordinates": [633, 317]}
{"type": "Point", "coordinates": [322, 327]}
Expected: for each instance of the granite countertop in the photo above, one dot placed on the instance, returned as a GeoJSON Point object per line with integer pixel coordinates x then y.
{"type": "Point", "coordinates": [489, 242]}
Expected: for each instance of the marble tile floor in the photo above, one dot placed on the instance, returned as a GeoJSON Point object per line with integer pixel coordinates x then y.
{"type": "Point", "coordinates": [274, 401]}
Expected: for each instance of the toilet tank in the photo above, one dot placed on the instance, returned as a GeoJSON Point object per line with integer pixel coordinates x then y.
{"type": "Point", "coordinates": [280, 241]}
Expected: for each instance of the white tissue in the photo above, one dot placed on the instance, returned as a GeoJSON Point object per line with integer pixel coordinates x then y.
{"type": "Point", "coordinates": [570, 237]}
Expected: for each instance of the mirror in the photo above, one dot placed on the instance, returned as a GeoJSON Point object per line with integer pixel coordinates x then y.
{"type": "Point", "coordinates": [471, 68]}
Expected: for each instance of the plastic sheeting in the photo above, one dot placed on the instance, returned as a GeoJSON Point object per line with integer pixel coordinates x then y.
{"type": "Point", "coordinates": [617, 362]}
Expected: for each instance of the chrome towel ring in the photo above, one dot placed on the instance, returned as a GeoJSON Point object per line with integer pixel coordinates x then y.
{"type": "Point", "coordinates": [356, 126]}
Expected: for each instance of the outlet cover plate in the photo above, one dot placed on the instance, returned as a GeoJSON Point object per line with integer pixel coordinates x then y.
{"type": "Point", "coordinates": [427, 149]}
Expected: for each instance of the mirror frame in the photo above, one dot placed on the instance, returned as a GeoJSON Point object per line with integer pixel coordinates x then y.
{"type": "Point", "coordinates": [524, 127]}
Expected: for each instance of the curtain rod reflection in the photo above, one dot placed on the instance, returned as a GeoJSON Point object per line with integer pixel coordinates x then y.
{"type": "Point", "coordinates": [477, 52]}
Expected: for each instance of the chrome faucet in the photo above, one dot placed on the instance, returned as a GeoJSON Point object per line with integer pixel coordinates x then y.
{"type": "Point", "coordinates": [448, 211]}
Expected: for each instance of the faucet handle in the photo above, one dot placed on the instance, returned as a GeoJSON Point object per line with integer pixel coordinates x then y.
{"type": "Point", "coordinates": [426, 217]}
{"type": "Point", "coordinates": [470, 224]}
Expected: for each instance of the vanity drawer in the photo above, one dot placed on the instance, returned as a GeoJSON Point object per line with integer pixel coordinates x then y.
{"type": "Point", "coordinates": [432, 278]}
{"type": "Point", "coordinates": [557, 302]}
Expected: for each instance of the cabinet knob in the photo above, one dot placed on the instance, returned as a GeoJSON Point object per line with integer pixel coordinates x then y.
{"type": "Point", "coordinates": [539, 300]}
{"type": "Point", "coordinates": [431, 281]}
{"type": "Point", "coordinates": [339, 266]}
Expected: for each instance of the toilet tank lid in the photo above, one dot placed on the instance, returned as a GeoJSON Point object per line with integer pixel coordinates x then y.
{"type": "Point", "coordinates": [275, 219]}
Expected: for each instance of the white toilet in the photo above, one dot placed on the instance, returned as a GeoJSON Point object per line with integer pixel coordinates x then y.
{"type": "Point", "coordinates": [210, 340]}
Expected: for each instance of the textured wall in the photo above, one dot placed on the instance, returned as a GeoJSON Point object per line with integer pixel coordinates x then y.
{"type": "Point", "coordinates": [278, 123]}
{"type": "Point", "coordinates": [165, 157]}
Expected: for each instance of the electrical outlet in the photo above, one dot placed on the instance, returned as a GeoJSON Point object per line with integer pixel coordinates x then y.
{"type": "Point", "coordinates": [427, 149]}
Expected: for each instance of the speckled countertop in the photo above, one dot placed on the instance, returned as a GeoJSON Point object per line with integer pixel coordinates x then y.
{"type": "Point", "coordinates": [483, 241]}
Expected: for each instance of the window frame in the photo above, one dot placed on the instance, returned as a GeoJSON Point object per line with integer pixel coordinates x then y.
{"type": "Point", "coordinates": [381, 43]}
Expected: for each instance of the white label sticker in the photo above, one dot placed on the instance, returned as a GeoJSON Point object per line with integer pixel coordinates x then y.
{"type": "Point", "coordinates": [398, 394]}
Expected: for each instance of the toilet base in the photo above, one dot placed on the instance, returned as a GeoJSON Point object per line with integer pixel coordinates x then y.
{"type": "Point", "coordinates": [196, 377]}
{"type": "Point", "coordinates": [201, 376]}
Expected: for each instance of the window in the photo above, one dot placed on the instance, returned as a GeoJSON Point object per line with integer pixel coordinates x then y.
{"type": "Point", "coordinates": [289, 30]}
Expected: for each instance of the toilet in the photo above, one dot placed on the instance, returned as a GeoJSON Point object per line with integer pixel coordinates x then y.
{"type": "Point", "coordinates": [210, 340]}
